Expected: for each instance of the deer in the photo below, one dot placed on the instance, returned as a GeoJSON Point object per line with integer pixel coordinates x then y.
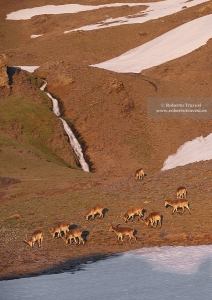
{"type": "Point", "coordinates": [154, 218]}
{"type": "Point", "coordinates": [132, 212]}
{"type": "Point", "coordinates": [96, 210]}
{"type": "Point", "coordinates": [139, 174]}
{"type": "Point", "coordinates": [122, 231]}
{"type": "Point", "coordinates": [37, 237]}
{"type": "Point", "coordinates": [62, 227]}
{"type": "Point", "coordinates": [75, 234]}
{"type": "Point", "coordinates": [179, 203]}
{"type": "Point", "coordinates": [181, 192]}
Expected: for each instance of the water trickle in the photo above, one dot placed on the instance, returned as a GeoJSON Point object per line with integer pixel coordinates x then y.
{"type": "Point", "coordinates": [72, 139]}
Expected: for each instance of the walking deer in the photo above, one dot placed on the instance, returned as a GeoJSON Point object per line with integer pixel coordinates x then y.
{"type": "Point", "coordinates": [76, 235]}
{"type": "Point", "coordinates": [122, 231]}
{"type": "Point", "coordinates": [132, 212]}
{"type": "Point", "coordinates": [154, 218]}
{"type": "Point", "coordinates": [181, 192]}
{"type": "Point", "coordinates": [175, 204]}
{"type": "Point", "coordinates": [139, 174]}
{"type": "Point", "coordinates": [60, 229]}
{"type": "Point", "coordinates": [96, 210]}
{"type": "Point", "coordinates": [37, 237]}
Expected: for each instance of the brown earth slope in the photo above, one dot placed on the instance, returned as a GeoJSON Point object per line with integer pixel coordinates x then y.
{"type": "Point", "coordinates": [64, 197]}
{"type": "Point", "coordinates": [108, 112]}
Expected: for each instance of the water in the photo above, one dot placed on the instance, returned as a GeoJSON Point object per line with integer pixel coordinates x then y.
{"type": "Point", "coordinates": [72, 139]}
{"type": "Point", "coordinates": [75, 145]}
{"type": "Point", "coordinates": [163, 273]}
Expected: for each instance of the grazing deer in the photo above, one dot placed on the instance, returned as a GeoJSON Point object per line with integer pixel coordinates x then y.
{"type": "Point", "coordinates": [180, 203]}
{"type": "Point", "coordinates": [96, 210]}
{"type": "Point", "coordinates": [132, 212]}
{"type": "Point", "coordinates": [76, 235]}
{"type": "Point", "coordinates": [37, 237]}
{"type": "Point", "coordinates": [154, 218]}
{"type": "Point", "coordinates": [139, 174]}
{"type": "Point", "coordinates": [121, 231]}
{"type": "Point", "coordinates": [181, 192]}
{"type": "Point", "coordinates": [60, 229]}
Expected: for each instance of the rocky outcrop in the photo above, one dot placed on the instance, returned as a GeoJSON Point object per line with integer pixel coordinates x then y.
{"type": "Point", "coordinates": [58, 74]}
{"type": "Point", "coordinates": [3, 71]}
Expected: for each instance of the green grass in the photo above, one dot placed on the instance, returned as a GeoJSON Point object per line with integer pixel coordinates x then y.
{"type": "Point", "coordinates": [29, 125]}
{"type": "Point", "coordinates": [35, 80]}
{"type": "Point", "coordinates": [26, 114]}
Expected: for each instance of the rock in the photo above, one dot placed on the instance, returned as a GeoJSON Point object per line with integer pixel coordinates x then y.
{"type": "Point", "coordinates": [5, 181]}
{"type": "Point", "coordinates": [142, 33]}
{"type": "Point", "coordinates": [3, 71]}
{"type": "Point", "coordinates": [116, 86]}
{"type": "Point", "coordinates": [15, 216]}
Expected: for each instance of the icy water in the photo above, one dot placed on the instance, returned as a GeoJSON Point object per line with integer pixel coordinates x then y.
{"type": "Point", "coordinates": [164, 273]}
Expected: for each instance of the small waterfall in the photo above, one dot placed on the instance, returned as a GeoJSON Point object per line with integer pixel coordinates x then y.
{"type": "Point", "coordinates": [72, 139]}
{"type": "Point", "coordinates": [75, 145]}
{"type": "Point", "coordinates": [56, 109]}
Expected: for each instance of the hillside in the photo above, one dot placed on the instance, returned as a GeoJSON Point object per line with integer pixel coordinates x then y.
{"type": "Point", "coordinates": [41, 182]}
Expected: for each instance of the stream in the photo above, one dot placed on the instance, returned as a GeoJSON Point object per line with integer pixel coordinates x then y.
{"type": "Point", "coordinates": [72, 139]}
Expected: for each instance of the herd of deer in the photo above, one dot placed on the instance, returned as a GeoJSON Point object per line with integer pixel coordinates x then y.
{"type": "Point", "coordinates": [62, 230]}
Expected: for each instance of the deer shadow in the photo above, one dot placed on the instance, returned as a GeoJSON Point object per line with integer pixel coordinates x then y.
{"type": "Point", "coordinates": [85, 234]}
{"type": "Point", "coordinates": [105, 210]}
{"type": "Point", "coordinates": [72, 226]}
{"type": "Point", "coordinates": [144, 212]}
{"type": "Point", "coordinates": [162, 220]}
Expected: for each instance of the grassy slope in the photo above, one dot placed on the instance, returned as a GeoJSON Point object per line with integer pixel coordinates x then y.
{"type": "Point", "coordinates": [28, 124]}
